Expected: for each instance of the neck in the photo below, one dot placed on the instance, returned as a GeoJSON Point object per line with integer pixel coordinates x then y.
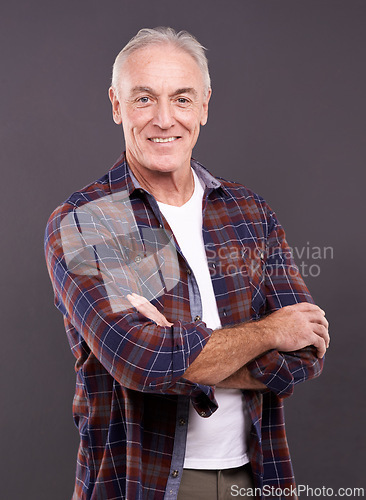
{"type": "Point", "coordinates": [172, 188]}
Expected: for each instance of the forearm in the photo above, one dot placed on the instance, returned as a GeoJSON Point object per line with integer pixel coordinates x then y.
{"type": "Point", "coordinates": [241, 379]}
{"type": "Point", "coordinates": [226, 352]}
{"type": "Point", "coordinates": [256, 345]}
{"type": "Point", "coordinates": [289, 329]}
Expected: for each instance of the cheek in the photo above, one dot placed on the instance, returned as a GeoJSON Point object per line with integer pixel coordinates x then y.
{"type": "Point", "coordinates": [139, 122]}
{"type": "Point", "coordinates": [134, 119]}
{"type": "Point", "coordinates": [196, 128]}
{"type": "Point", "coordinates": [190, 121]}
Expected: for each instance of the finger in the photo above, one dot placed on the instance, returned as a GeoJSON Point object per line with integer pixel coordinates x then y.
{"type": "Point", "coordinates": [320, 346]}
{"type": "Point", "coordinates": [164, 322]}
{"type": "Point", "coordinates": [140, 304]}
{"type": "Point", "coordinates": [322, 332]}
{"type": "Point", "coordinates": [306, 306]}
{"type": "Point", "coordinates": [315, 317]}
{"type": "Point", "coordinates": [130, 298]}
{"type": "Point", "coordinates": [159, 318]}
{"type": "Point", "coordinates": [133, 297]}
{"type": "Point", "coordinates": [141, 297]}
{"type": "Point", "coordinates": [145, 307]}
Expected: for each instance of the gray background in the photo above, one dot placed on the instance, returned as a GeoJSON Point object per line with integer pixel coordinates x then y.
{"type": "Point", "coordinates": [287, 118]}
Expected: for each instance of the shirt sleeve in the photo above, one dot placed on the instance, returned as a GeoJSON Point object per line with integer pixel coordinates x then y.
{"type": "Point", "coordinates": [92, 267]}
{"type": "Point", "coordinates": [283, 286]}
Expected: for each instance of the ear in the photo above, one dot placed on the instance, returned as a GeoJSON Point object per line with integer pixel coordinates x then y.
{"type": "Point", "coordinates": [204, 116]}
{"type": "Point", "coordinates": [116, 108]}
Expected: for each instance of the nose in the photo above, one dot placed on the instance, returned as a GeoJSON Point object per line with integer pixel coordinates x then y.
{"type": "Point", "coordinates": [163, 116]}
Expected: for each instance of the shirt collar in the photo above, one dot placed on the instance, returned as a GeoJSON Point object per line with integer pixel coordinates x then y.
{"type": "Point", "coordinates": [121, 177]}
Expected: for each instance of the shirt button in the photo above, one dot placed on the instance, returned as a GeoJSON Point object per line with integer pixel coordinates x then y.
{"type": "Point", "coordinates": [202, 413]}
{"type": "Point", "coordinates": [213, 266]}
{"type": "Point", "coordinates": [182, 421]}
{"type": "Point", "coordinates": [138, 259]}
{"type": "Point", "coordinates": [197, 318]}
{"type": "Point", "coordinates": [261, 255]}
{"type": "Point", "coordinates": [189, 271]}
{"type": "Point", "coordinates": [175, 473]}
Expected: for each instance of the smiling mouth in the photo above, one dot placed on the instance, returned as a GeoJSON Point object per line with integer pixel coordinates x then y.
{"type": "Point", "coordinates": [163, 139]}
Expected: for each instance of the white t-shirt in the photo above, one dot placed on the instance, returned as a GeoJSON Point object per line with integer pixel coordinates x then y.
{"type": "Point", "coordinates": [219, 441]}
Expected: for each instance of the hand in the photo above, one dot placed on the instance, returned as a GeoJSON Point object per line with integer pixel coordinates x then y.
{"type": "Point", "coordinates": [147, 309]}
{"type": "Point", "coordinates": [298, 326]}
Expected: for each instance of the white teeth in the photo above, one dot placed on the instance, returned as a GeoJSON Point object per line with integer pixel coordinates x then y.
{"type": "Point", "coordinates": [160, 139]}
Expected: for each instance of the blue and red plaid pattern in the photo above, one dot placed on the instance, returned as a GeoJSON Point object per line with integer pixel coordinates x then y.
{"type": "Point", "coordinates": [110, 239]}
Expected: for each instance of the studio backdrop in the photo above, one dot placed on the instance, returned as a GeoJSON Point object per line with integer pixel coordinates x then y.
{"type": "Point", "coordinates": [286, 118]}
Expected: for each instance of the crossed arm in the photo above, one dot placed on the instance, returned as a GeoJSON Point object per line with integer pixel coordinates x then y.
{"type": "Point", "coordinates": [223, 361]}
{"type": "Point", "coordinates": [90, 281]}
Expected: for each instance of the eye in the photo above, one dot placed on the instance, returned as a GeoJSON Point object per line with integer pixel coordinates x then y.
{"type": "Point", "coordinates": [182, 100]}
{"type": "Point", "coordinates": [143, 100]}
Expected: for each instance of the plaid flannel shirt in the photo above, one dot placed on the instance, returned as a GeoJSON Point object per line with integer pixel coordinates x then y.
{"type": "Point", "coordinates": [131, 400]}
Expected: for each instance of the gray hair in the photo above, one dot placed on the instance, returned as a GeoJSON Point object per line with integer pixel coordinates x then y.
{"type": "Point", "coordinates": [161, 35]}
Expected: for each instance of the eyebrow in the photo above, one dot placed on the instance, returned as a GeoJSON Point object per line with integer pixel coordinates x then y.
{"type": "Point", "coordinates": [183, 90]}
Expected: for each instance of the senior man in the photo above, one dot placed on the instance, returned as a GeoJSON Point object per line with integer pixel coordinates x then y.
{"type": "Point", "coordinates": [189, 321]}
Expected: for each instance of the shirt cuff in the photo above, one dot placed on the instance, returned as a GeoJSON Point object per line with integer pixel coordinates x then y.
{"type": "Point", "coordinates": [272, 370]}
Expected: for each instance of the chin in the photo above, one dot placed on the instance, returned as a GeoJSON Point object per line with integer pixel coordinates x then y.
{"type": "Point", "coordinates": [164, 164]}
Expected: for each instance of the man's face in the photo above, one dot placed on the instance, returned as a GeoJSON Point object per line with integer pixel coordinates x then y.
{"type": "Point", "coordinates": [161, 104]}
